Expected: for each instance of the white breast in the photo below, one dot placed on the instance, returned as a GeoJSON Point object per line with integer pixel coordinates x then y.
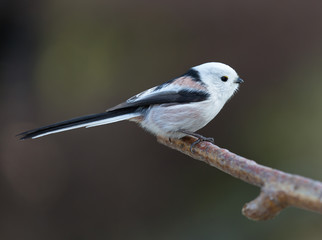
{"type": "Point", "coordinates": [167, 119]}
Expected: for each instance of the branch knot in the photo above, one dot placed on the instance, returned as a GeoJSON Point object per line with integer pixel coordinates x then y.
{"type": "Point", "coordinates": [278, 189]}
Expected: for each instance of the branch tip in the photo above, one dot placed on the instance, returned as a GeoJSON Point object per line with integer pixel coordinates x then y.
{"type": "Point", "coordinates": [278, 189]}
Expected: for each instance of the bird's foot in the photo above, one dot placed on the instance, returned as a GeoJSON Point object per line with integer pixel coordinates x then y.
{"type": "Point", "coordinates": [199, 137]}
{"type": "Point", "coordinates": [199, 140]}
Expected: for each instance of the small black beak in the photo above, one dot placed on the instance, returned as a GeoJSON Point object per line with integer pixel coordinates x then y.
{"type": "Point", "coordinates": [239, 80]}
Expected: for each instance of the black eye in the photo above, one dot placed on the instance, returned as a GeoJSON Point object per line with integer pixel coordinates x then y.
{"type": "Point", "coordinates": [224, 78]}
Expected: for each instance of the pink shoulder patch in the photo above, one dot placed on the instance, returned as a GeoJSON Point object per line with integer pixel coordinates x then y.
{"type": "Point", "coordinates": [188, 82]}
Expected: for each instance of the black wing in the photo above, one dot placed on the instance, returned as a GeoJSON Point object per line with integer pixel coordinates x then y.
{"type": "Point", "coordinates": [182, 96]}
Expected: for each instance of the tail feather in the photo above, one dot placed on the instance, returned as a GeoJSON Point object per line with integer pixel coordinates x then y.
{"type": "Point", "coordinates": [85, 121]}
{"type": "Point", "coordinates": [111, 120]}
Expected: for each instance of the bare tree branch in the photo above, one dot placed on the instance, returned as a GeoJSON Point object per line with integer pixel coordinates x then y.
{"type": "Point", "coordinates": [278, 189]}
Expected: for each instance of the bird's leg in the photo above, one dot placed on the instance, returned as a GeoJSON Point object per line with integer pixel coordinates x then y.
{"type": "Point", "coordinates": [200, 138]}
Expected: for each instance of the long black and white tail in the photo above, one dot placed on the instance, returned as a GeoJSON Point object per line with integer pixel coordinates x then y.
{"type": "Point", "coordinates": [85, 121]}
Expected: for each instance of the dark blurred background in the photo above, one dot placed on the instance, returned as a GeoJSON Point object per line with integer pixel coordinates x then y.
{"type": "Point", "coordinates": [62, 59]}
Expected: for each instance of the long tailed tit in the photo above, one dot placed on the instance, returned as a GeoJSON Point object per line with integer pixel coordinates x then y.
{"type": "Point", "coordinates": [174, 109]}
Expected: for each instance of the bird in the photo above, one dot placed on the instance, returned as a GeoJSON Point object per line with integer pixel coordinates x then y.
{"type": "Point", "coordinates": [174, 109]}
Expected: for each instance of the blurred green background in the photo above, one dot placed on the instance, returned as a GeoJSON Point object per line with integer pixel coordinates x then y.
{"type": "Point", "coordinates": [62, 59]}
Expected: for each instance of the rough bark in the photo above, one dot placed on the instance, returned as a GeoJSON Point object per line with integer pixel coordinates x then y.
{"type": "Point", "coordinates": [278, 189]}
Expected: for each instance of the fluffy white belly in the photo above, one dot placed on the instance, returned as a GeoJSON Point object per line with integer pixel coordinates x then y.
{"type": "Point", "coordinates": [166, 119]}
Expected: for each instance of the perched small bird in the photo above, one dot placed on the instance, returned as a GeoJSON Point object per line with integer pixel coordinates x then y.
{"type": "Point", "coordinates": [174, 109]}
